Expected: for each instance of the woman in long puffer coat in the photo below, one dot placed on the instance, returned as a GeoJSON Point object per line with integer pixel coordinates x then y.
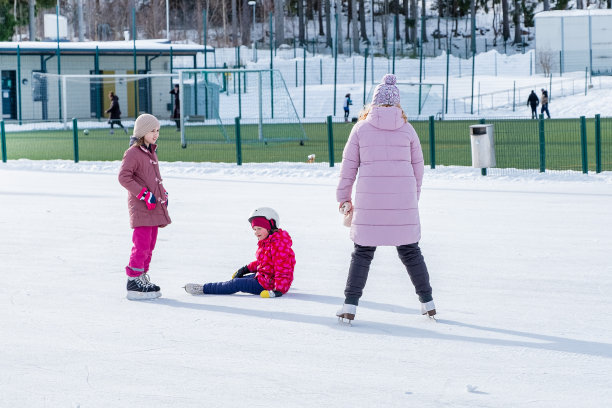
{"type": "Point", "coordinates": [384, 150]}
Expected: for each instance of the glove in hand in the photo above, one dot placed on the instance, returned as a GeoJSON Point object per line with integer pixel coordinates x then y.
{"type": "Point", "coordinates": [148, 197]}
{"type": "Point", "coordinates": [271, 293]}
{"type": "Point", "coordinates": [241, 272]}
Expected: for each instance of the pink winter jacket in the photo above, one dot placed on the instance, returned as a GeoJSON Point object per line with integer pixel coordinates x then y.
{"type": "Point", "coordinates": [139, 169]}
{"type": "Point", "coordinates": [386, 152]}
{"type": "Point", "coordinates": [275, 262]}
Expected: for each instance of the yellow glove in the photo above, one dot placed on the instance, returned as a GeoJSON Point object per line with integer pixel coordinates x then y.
{"type": "Point", "coordinates": [270, 293]}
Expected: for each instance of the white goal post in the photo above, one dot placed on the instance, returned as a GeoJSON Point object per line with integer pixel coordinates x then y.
{"type": "Point", "coordinates": [213, 99]}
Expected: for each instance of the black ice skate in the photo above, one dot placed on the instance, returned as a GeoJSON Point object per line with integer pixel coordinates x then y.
{"type": "Point", "coordinates": [141, 288]}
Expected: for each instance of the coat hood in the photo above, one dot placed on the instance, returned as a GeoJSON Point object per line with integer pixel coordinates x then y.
{"type": "Point", "coordinates": [386, 118]}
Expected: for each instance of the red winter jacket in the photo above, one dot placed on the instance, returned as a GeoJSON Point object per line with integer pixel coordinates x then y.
{"type": "Point", "coordinates": [275, 262]}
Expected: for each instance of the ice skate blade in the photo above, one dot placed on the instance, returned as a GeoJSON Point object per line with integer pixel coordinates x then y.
{"type": "Point", "coordinates": [346, 319]}
{"type": "Point", "coordinates": [430, 313]}
{"type": "Point", "coordinates": [133, 295]}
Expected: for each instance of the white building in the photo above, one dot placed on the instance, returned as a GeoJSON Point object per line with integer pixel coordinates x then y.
{"type": "Point", "coordinates": [25, 98]}
{"type": "Point", "coordinates": [574, 40]}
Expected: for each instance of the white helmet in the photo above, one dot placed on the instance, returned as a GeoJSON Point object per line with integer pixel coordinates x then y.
{"type": "Point", "coordinates": [268, 213]}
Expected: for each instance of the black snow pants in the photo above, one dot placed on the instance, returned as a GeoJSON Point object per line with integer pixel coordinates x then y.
{"type": "Point", "coordinates": [410, 256]}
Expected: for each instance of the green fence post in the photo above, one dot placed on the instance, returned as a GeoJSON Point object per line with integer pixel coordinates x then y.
{"type": "Point", "coordinates": [238, 142]}
{"type": "Point", "coordinates": [75, 137]}
{"type": "Point", "coordinates": [3, 141]}
{"type": "Point", "coordinates": [432, 142]}
{"type": "Point", "coordinates": [583, 145]}
{"type": "Point", "coordinates": [330, 141]}
{"type": "Point", "coordinates": [598, 143]}
{"type": "Point", "coordinates": [542, 145]}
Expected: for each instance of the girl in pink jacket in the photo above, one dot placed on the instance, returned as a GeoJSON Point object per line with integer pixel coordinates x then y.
{"type": "Point", "coordinates": [270, 274]}
{"type": "Point", "coordinates": [147, 204]}
{"type": "Point", "coordinates": [385, 150]}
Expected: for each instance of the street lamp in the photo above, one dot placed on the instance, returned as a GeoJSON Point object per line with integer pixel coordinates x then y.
{"type": "Point", "coordinates": [253, 3]}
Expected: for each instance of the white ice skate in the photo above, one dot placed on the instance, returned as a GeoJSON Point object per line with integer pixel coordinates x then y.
{"type": "Point", "coordinates": [194, 288]}
{"type": "Point", "coordinates": [346, 314]}
{"type": "Point", "coordinates": [428, 309]}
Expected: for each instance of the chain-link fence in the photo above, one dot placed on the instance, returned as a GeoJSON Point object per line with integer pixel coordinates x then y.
{"type": "Point", "coordinates": [544, 144]}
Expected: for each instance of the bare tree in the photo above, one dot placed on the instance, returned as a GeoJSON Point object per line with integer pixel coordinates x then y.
{"type": "Point", "coordinates": [546, 4]}
{"type": "Point", "coordinates": [300, 10]}
{"type": "Point", "coordinates": [328, 30]}
{"type": "Point", "coordinates": [516, 19]}
{"type": "Point", "coordinates": [279, 22]}
{"type": "Point", "coordinates": [505, 20]}
{"type": "Point", "coordinates": [423, 22]}
{"type": "Point", "coordinates": [339, 36]}
{"type": "Point", "coordinates": [406, 7]}
{"type": "Point", "coordinates": [413, 18]}
{"type": "Point", "coordinates": [362, 20]}
{"type": "Point", "coordinates": [234, 24]}
{"type": "Point", "coordinates": [355, 27]}
{"type": "Point", "coordinates": [320, 12]}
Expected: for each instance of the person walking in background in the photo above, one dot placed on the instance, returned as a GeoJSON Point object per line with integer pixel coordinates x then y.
{"type": "Point", "coordinates": [176, 114]}
{"type": "Point", "coordinates": [271, 274]}
{"type": "Point", "coordinates": [384, 150]}
{"type": "Point", "coordinates": [147, 204]}
{"type": "Point", "coordinates": [347, 102]}
{"type": "Point", "coordinates": [115, 113]}
{"type": "Point", "coordinates": [545, 103]}
{"type": "Point", "coordinates": [533, 101]}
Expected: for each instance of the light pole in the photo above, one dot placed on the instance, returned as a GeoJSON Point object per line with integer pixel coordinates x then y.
{"type": "Point", "coordinates": [253, 3]}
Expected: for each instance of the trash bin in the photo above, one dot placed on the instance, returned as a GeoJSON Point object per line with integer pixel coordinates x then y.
{"type": "Point", "coordinates": [483, 146]}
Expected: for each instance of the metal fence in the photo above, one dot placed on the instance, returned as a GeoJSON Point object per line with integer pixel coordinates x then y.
{"type": "Point", "coordinates": [539, 145]}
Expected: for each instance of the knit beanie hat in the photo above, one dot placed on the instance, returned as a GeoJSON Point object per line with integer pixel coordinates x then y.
{"type": "Point", "coordinates": [261, 222]}
{"type": "Point", "coordinates": [143, 125]}
{"type": "Point", "coordinates": [386, 93]}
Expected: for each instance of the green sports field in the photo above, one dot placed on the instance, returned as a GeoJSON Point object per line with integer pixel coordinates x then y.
{"type": "Point", "coordinates": [517, 143]}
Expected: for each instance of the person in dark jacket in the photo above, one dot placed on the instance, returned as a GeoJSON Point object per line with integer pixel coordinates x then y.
{"type": "Point", "coordinates": [533, 101]}
{"type": "Point", "coordinates": [545, 103]}
{"type": "Point", "coordinates": [115, 113]}
{"type": "Point", "coordinates": [176, 114]}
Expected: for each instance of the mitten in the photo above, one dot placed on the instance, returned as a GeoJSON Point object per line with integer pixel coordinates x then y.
{"type": "Point", "coordinates": [148, 197]}
{"type": "Point", "coordinates": [347, 210]}
{"type": "Point", "coordinates": [270, 293]}
{"type": "Point", "coordinates": [241, 272]}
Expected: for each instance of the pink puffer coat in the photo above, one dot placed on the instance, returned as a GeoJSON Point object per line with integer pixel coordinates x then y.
{"type": "Point", "coordinates": [139, 169]}
{"type": "Point", "coordinates": [386, 152]}
{"type": "Point", "coordinates": [275, 262]}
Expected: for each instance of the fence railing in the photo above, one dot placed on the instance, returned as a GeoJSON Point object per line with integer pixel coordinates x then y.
{"type": "Point", "coordinates": [582, 144]}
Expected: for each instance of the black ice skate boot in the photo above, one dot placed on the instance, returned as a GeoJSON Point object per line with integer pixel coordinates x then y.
{"type": "Point", "coordinates": [141, 288]}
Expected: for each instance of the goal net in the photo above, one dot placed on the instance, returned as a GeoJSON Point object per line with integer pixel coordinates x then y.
{"type": "Point", "coordinates": [212, 99]}
{"type": "Point", "coordinates": [420, 99]}
{"type": "Point", "coordinates": [86, 97]}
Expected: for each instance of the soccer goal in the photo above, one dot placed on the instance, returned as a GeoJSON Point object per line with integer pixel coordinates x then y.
{"type": "Point", "coordinates": [86, 97]}
{"type": "Point", "coordinates": [420, 99]}
{"type": "Point", "coordinates": [212, 99]}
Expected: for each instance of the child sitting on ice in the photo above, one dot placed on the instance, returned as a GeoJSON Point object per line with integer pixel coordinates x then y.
{"type": "Point", "coordinates": [271, 274]}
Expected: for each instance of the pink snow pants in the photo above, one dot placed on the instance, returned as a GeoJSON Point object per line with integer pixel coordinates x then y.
{"type": "Point", "coordinates": [144, 239]}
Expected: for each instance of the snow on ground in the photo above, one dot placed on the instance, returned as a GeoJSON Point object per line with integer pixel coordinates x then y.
{"type": "Point", "coordinates": [519, 265]}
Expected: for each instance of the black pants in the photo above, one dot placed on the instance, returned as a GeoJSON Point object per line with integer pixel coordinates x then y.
{"type": "Point", "coordinates": [114, 122]}
{"type": "Point", "coordinates": [410, 256]}
{"type": "Point", "coordinates": [534, 112]}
